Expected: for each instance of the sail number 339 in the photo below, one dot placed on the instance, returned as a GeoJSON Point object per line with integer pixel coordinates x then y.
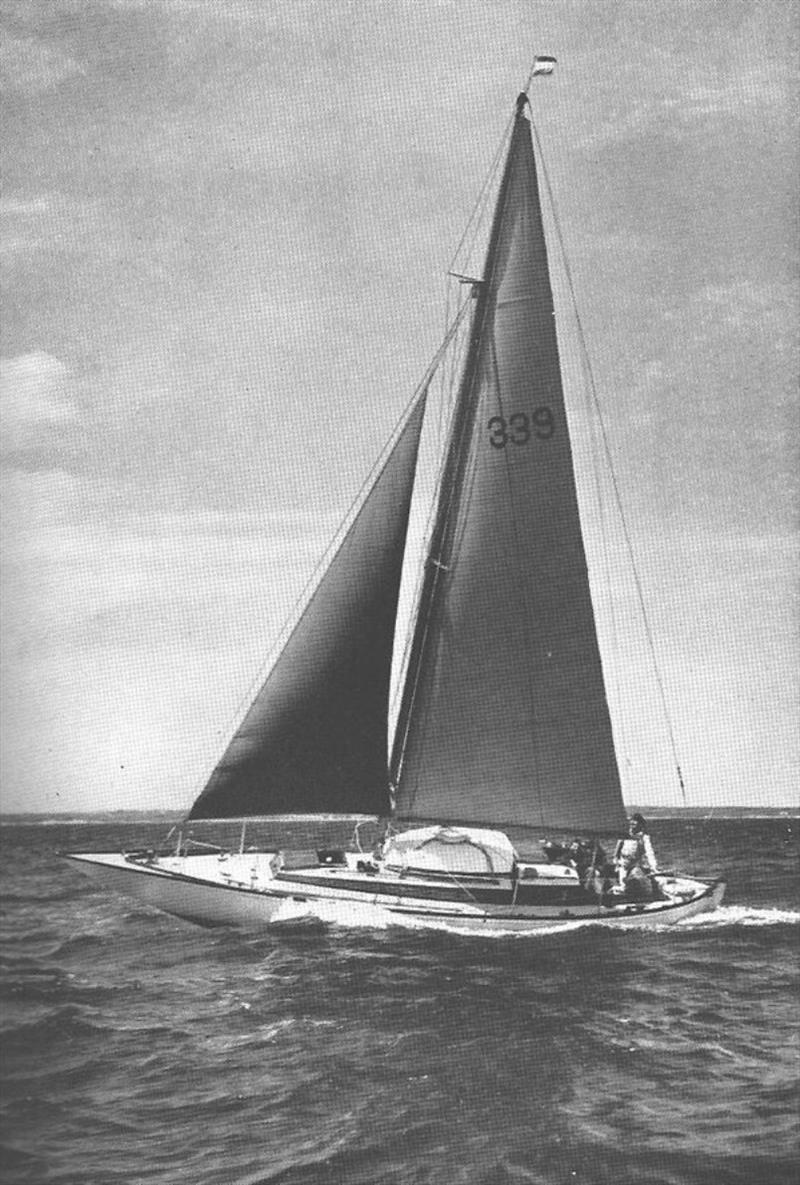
{"type": "Point", "coordinates": [520, 427]}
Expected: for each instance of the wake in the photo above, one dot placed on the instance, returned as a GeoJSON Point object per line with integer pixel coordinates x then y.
{"type": "Point", "coordinates": [740, 915]}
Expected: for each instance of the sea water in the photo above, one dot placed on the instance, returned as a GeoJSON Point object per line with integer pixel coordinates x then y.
{"type": "Point", "coordinates": [140, 1048]}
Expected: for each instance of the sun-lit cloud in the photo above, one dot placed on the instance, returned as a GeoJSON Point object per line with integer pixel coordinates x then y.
{"type": "Point", "coordinates": [22, 207]}
{"type": "Point", "coordinates": [30, 65]}
{"type": "Point", "coordinates": [745, 305]}
{"type": "Point", "coordinates": [35, 395]}
{"type": "Point", "coordinates": [32, 500]}
{"type": "Point", "coordinates": [50, 223]}
{"type": "Point", "coordinates": [674, 92]}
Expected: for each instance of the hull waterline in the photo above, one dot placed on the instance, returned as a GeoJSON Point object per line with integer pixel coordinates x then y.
{"type": "Point", "coordinates": [244, 892]}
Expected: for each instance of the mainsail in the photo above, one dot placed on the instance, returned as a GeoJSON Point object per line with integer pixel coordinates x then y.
{"type": "Point", "coordinates": [314, 739]}
{"type": "Point", "coordinates": [504, 718]}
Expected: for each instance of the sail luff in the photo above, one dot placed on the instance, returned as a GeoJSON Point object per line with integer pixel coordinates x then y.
{"type": "Point", "coordinates": [504, 716]}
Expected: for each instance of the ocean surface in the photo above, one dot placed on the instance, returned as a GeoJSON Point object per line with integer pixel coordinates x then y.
{"type": "Point", "coordinates": [140, 1048]}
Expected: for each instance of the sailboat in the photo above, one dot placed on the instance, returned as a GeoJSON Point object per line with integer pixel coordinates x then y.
{"type": "Point", "coordinates": [503, 721]}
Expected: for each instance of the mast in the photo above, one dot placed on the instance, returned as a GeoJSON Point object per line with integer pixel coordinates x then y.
{"type": "Point", "coordinates": [504, 718]}
{"type": "Point", "coordinates": [453, 470]}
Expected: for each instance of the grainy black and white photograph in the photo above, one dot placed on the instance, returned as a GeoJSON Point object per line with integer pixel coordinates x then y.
{"type": "Point", "coordinates": [400, 685]}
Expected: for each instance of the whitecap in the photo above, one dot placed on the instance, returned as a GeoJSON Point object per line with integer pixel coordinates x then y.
{"type": "Point", "coordinates": [742, 915]}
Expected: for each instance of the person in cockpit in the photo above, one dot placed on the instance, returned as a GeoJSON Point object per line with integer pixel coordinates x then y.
{"type": "Point", "coordinates": [635, 860]}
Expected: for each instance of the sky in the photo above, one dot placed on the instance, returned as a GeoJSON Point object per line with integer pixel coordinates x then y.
{"type": "Point", "coordinates": [225, 233]}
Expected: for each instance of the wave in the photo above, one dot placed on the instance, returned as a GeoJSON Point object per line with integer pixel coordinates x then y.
{"type": "Point", "coordinates": [43, 982]}
{"type": "Point", "coordinates": [60, 1023]}
{"type": "Point", "coordinates": [341, 913]}
{"type": "Point", "coordinates": [77, 944]}
{"type": "Point", "coordinates": [741, 915]}
{"type": "Point", "coordinates": [252, 1040]}
{"type": "Point", "coordinates": [60, 895]}
{"type": "Point", "coordinates": [47, 950]}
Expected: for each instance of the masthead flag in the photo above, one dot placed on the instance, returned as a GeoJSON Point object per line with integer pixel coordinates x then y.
{"type": "Point", "coordinates": [542, 65]}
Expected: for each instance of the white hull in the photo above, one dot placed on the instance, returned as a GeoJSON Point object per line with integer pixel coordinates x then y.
{"type": "Point", "coordinates": [242, 890]}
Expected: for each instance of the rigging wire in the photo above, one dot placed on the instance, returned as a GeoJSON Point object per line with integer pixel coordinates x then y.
{"type": "Point", "coordinates": [443, 509]}
{"type": "Point", "coordinates": [460, 263]}
{"type": "Point", "coordinates": [479, 206]}
{"type": "Point", "coordinates": [449, 374]}
{"type": "Point", "coordinates": [449, 377]}
{"type": "Point", "coordinates": [612, 472]}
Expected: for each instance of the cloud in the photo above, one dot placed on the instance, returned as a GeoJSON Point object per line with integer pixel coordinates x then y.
{"type": "Point", "coordinates": [748, 89]}
{"type": "Point", "coordinates": [674, 93]}
{"type": "Point", "coordinates": [21, 207]}
{"type": "Point", "coordinates": [47, 222]}
{"type": "Point", "coordinates": [745, 303]}
{"type": "Point", "coordinates": [29, 65]}
{"type": "Point", "coordinates": [35, 396]}
{"type": "Point", "coordinates": [30, 501]}
{"type": "Point", "coordinates": [745, 341]}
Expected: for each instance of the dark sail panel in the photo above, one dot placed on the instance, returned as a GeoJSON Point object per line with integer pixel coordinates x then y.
{"type": "Point", "coordinates": [314, 739]}
{"type": "Point", "coordinates": [504, 718]}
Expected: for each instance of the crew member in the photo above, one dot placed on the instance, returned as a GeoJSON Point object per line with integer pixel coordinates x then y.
{"type": "Point", "coordinates": [635, 860]}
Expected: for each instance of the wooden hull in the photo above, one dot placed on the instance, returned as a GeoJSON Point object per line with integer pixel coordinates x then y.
{"type": "Point", "coordinates": [243, 890]}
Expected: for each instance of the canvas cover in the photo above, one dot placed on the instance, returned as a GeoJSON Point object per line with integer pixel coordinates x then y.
{"type": "Point", "coordinates": [450, 849]}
